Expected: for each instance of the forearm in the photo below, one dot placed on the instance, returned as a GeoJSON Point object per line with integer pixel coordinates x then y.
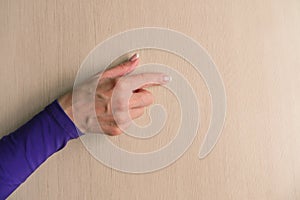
{"type": "Point", "coordinates": [24, 150]}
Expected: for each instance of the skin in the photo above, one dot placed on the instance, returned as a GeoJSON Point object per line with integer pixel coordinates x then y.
{"type": "Point", "coordinates": [119, 98]}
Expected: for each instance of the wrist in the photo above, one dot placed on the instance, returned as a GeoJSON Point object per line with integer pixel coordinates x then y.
{"type": "Point", "coordinates": [65, 103]}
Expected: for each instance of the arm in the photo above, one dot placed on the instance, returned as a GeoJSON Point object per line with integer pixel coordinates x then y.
{"type": "Point", "coordinates": [25, 149]}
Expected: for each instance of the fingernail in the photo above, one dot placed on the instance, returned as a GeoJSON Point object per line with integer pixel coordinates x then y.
{"type": "Point", "coordinates": [134, 57]}
{"type": "Point", "coordinates": [167, 78]}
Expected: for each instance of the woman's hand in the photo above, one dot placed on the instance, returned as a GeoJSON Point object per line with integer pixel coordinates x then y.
{"type": "Point", "coordinates": [117, 96]}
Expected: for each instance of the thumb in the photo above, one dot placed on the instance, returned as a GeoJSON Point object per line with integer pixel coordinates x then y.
{"type": "Point", "coordinates": [122, 69]}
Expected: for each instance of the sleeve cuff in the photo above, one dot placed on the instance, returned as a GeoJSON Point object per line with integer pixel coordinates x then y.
{"type": "Point", "coordinates": [59, 115]}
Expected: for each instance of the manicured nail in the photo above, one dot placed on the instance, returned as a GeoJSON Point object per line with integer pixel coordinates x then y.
{"type": "Point", "coordinates": [167, 78]}
{"type": "Point", "coordinates": [134, 57]}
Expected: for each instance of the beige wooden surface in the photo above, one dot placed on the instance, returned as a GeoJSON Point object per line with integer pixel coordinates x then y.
{"type": "Point", "coordinates": [256, 46]}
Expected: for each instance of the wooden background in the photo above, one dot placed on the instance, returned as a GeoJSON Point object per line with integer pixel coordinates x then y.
{"type": "Point", "coordinates": [256, 46]}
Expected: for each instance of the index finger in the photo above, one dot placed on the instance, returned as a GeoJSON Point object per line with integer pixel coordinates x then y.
{"type": "Point", "coordinates": [137, 81]}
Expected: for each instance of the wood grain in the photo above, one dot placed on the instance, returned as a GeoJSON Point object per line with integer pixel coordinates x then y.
{"type": "Point", "coordinates": [255, 45]}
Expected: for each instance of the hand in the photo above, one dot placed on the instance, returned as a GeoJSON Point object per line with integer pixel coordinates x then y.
{"type": "Point", "coordinates": [116, 97]}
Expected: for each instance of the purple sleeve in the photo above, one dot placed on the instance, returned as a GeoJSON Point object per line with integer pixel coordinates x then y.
{"type": "Point", "coordinates": [24, 150]}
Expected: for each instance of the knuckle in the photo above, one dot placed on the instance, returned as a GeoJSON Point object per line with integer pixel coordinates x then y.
{"type": "Point", "coordinates": [120, 105]}
{"type": "Point", "coordinates": [115, 131]}
{"type": "Point", "coordinates": [125, 126]}
{"type": "Point", "coordinates": [147, 99]}
{"type": "Point", "coordinates": [122, 85]}
{"type": "Point", "coordinates": [151, 98]}
{"type": "Point", "coordinates": [140, 112]}
{"type": "Point", "coordinates": [122, 119]}
{"type": "Point", "coordinates": [143, 100]}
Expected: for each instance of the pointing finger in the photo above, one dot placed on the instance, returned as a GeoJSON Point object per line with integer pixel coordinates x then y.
{"type": "Point", "coordinates": [137, 81]}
